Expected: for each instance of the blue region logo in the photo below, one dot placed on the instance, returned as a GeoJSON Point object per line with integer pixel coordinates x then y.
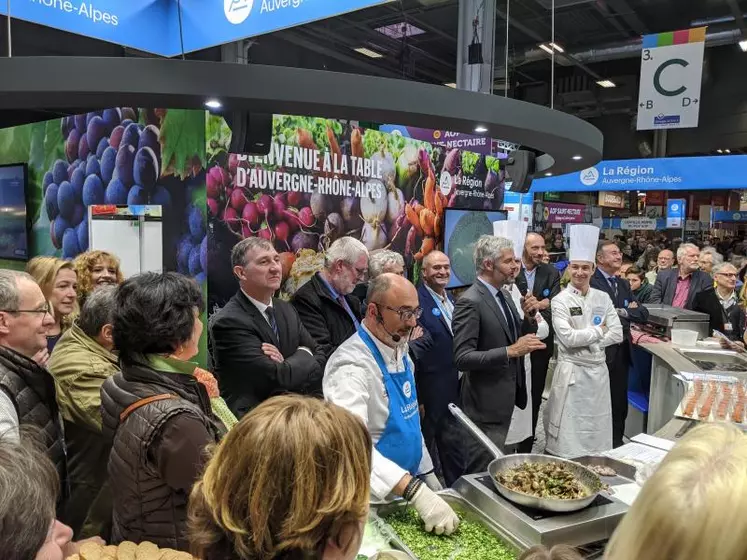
{"type": "Point", "coordinates": [662, 120]}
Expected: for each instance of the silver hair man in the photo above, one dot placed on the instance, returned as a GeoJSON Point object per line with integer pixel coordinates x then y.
{"type": "Point", "coordinates": [489, 247]}
{"type": "Point", "coordinates": [346, 249]}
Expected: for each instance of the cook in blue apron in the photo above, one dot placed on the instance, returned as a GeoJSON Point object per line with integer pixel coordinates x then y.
{"type": "Point", "coordinates": [401, 441]}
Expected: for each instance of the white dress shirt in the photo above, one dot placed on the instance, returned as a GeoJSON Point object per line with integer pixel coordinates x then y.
{"type": "Point", "coordinates": [262, 308]}
{"type": "Point", "coordinates": [8, 419]}
{"type": "Point", "coordinates": [353, 380]}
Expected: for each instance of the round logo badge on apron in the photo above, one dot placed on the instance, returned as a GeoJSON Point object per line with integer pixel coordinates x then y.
{"type": "Point", "coordinates": [597, 320]}
{"type": "Point", "coordinates": [407, 389]}
{"type": "Point", "coordinates": [436, 311]}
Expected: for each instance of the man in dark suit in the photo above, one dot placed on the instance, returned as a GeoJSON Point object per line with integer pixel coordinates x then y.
{"type": "Point", "coordinates": [678, 287]}
{"type": "Point", "coordinates": [609, 261]}
{"type": "Point", "coordinates": [543, 281]}
{"type": "Point", "coordinates": [325, 304]}
{"type": "Point", "coordinates": [436, 377]}
{"type": "Point", "coordinates": [260, 346]}
{"type": "Point", "coordinates": [489, 346]}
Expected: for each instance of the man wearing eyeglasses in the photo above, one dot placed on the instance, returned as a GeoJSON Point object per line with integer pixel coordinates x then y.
{"type": "Point", "coordinates": [27, 392]}
{"type": "Point", "coordinates": [325, 303]}
{"type": "Point", "coordinates": [371, 375]}
{"type": "Point", "coordinates": [725, 275]}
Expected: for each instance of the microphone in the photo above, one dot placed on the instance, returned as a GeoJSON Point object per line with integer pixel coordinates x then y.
{"type": "Point", "coordinates": [395, 337]}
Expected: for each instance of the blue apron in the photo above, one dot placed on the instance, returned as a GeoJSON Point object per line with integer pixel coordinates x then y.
{"type": "Point", "coordinates": [401, 441]}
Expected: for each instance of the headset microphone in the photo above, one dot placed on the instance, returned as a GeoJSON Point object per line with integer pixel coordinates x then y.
{"type": "Point", "coordinates": [395, 337]}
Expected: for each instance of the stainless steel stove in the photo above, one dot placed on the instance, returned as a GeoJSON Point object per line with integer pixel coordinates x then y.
{"type": "Point", "coordinates": [590, 525]}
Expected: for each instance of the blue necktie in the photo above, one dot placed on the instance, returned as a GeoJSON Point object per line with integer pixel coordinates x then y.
{"type": "Point", "coordinates": [270, 312]}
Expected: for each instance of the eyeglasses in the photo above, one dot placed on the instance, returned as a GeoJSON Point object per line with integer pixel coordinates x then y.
{"type": "Point", "coordinates": [728, 274]}
{"type": "Point", "coordinates": [405, 314]}
{"type": "Point", "coordinates": [43, 310]}
{"type": "Point", "coordinates": [360, 273]}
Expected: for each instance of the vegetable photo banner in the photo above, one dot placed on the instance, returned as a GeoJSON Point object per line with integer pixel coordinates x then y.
{"type": "Point", "coordinates": [324, 179]}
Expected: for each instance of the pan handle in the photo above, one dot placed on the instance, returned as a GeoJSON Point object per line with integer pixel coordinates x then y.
{"type": "Point", "coordinates": [475, 431]}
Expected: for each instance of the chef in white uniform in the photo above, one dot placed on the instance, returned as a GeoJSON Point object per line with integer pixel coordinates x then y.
{"type": "Point", "coordinates": [578, 418]}
{"type": "Point", "coordinates": [371, 375]}
{"type": "Point", "coordinates": [520, 428]}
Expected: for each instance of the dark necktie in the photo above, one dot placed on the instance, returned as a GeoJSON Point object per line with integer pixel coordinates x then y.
{"type": "Point", "coordinates": [613, 284]}
{"type": "Point", "coordinates": [521, 398]}
{"type": "Point", "coordinates": [270, 312]}
{"type": "Point", "coordinates": [507, 312]}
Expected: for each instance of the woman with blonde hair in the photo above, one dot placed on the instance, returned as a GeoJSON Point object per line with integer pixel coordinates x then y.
{"type": "Point", "coordinates": [96, 268]}
{"type": "Point", "coordinates": [290, 481]}
{"type": "Point", "coordinates": [691, 507]}
{"type": "Point", "coordinates": [58, 282]}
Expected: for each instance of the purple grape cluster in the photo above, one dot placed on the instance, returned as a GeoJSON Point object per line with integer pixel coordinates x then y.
{"type": "Point", "coordinates": [111, 159]}
{"type": "Point", "coordinates": [192, 247]}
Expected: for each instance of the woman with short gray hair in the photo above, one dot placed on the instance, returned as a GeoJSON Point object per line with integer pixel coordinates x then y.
{"type": "Point", "coordinates": [384, 260]}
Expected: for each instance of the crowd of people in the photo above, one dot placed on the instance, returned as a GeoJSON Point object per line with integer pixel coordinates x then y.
{"type": "Point", "coordinates": [317, 406]}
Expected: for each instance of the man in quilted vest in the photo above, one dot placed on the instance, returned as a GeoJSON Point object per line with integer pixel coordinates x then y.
{"type": "Point", "coordinates": [27, 392]}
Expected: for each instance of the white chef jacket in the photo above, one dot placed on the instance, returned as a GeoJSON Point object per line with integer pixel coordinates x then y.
{"type": "Point", "coordinates": [353, 380]}
{"type": "Point", "coordinates": [578, 417]}
{"type": "Point", "coordinates": [521, 420]}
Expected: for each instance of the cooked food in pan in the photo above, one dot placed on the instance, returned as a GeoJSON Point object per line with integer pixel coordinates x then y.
{"type": "Point", "coordinates": [544, 480]}
{"type": "Point", "coordinates": [603, 470]}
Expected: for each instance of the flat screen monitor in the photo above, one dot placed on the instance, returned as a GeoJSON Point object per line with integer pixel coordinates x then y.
{"type": "Point", "coordinates": [462, 229]}
{"type": "Point", "coordinates": [13, 230]}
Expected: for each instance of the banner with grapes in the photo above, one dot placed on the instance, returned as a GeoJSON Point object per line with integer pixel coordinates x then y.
{"type": "Point", "coordinates": [121, 155]}
{"type": "Point", "coordinates": [324, 179]}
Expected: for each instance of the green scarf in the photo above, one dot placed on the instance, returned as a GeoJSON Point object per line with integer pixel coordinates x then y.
{"type": "Point", "coordinates": [218, 405]}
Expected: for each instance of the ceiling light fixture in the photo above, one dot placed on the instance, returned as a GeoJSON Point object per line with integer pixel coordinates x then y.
{"type": "Point", "coordinates": [368, 52]}
{"type": "Point", "coordinates": [399, 30]}
{"type": "Point", "coordinates": [720, 151]}
{"type": "Point", "coordinates": [606, 83]}
{"type": "Point", "coordinates": [213, 104]}
{"type": "Point", "coordinates": [557, 47]}
{"type": "Point", "coordinates": [548, 174]}
{"type": "Point", "coordinates": [451, 85]}
{"type": "Point", "coordinates": [545, 48]}
{"type": "Point", "coordinates": [743, 46]}
{"type": "Point", "coordinates": [550, 47]}
{"type": "Point", "coordinates": [577, 158]}
{"type": "Point", "coordinates": [480, 129]}
{"type": "Point", "coordinates": [727, 151]}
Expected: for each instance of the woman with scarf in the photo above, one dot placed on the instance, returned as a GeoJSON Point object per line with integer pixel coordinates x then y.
{"type": "Point", "coordinates": [161, 411]}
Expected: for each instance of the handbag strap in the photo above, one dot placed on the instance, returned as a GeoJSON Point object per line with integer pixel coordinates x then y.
{"type": "Point", "coordinates": [142, 402]}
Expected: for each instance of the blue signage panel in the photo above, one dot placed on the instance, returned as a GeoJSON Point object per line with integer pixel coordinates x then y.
{"type": "Point", "coordinates": [675, 213]}
{"type": "Point", "coordinates": [146, 25]}
{"type": "Point", "coordinates": [153, 25]}
{"type": "Point", "coordinates": [667, 174]}
{"type": "Point", "coordinates": [207, 23]}
{"type": "Point", "coordinates": [728, 216]}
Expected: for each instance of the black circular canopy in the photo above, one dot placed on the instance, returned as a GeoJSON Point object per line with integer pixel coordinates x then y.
{"type": "Point", "coordinates": [74, 83]}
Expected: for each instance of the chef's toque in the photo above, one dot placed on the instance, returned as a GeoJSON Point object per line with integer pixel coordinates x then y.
{"type": "Point", "coordinates": [584, 241]}
{"type": "Point", "coordinates": [515, 231]}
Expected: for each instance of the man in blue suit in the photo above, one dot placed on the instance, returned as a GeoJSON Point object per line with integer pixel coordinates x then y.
{"type": "Point", "coordinates": [609, 261]}
{"type": "Point", "coordinates": [437, 378]}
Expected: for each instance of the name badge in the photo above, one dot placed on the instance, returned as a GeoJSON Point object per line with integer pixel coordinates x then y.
{"type": "Point", "coordinates": [625, 303]}
{"type": "Point", "coordinates": [546, 292]}
{"type": "Point", "coordinates": [436, 311]}
{"type": "Point", "coordinates": [727, 327]}
{"type": "Point", "coordinates": [576, 312]}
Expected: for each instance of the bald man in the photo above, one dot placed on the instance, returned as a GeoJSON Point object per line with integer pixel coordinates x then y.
{"type": "Point", "coordinates": [542, 280]}
{"type": "Point", "coordinates": [371, 375]}
{"type": "Point", "coordinates": [436, 376]}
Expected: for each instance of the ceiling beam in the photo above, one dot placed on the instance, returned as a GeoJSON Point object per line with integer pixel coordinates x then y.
{"type": "Point", "coordinates": [738, 17]}
{"type": "Point", "coordinates": [628, 14]}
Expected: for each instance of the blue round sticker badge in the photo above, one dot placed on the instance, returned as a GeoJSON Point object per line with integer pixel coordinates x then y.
{"type": "Point", "coordinates": [436, 311]}
{"type": "Point", "coordinates": [546, 292]}
{"type": "Point", "coordinates": [597, 320]}
{"type": "Point", "coordinates": [625, 303]}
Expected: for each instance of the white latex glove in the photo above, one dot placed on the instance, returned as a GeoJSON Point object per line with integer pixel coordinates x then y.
{"type": "Point", "coordinates": [435, 512]}
{"type": "Point", "coordinates": [432, 481]}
